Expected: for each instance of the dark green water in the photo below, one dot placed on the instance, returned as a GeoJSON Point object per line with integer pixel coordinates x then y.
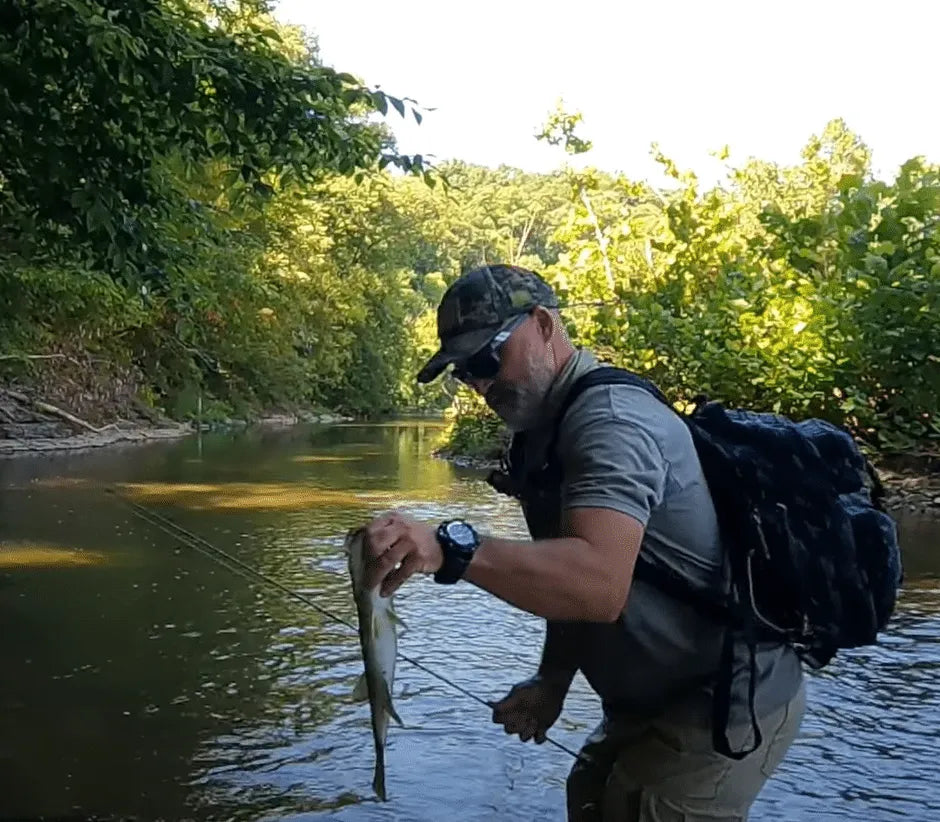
{"type": "Point", "coordinates": [140, 678]}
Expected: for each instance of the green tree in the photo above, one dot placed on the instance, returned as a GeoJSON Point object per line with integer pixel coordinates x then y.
{"type": "Point", "coordinates": [97, 95]}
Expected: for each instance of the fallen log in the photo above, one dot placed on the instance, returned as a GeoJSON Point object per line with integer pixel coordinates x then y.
{"type": "Point", "coordinates": [55, 411]}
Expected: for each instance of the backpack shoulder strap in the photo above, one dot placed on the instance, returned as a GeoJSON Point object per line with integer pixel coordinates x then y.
{"type": "Point", "coordinates": [603, 375]}
{"type": "Point", "coordinates": [606, 375]}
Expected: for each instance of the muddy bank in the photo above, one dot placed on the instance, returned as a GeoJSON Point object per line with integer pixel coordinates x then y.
{"type": "Point", "coordinates": [916, 491]}
{"type": "Point", "coordinates": [30, 424]}
{"type": "Point", "coordinates": [118, 434]}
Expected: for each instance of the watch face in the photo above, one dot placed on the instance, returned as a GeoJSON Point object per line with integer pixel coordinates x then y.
{"type": "Point", "coordinates": [461, 533]}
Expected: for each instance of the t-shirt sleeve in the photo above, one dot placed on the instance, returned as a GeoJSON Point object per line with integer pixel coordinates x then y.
{"type": "Point", "coordinates": [610, 462]}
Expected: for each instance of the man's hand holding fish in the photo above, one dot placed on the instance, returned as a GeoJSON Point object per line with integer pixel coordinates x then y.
{"type": "Point", "coordinates": [399, 547]}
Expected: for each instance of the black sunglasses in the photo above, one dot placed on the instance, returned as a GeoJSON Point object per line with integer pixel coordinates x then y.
{"type": "Point", "coordinates": [485, 363]}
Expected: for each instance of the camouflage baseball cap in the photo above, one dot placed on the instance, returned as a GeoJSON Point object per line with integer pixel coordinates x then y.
{"type": "Point", "coordinates": [477, 307]}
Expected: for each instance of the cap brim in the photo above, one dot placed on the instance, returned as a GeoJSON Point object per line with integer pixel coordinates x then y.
{"type": "Point", "coordinates": [458, 348]}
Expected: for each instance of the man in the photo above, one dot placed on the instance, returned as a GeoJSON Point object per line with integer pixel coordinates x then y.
{"type": "Point", "coordinates": [629, 478]}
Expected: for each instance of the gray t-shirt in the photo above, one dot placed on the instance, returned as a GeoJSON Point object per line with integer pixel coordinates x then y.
{"type": "Point", "coordinates": [622, 449]}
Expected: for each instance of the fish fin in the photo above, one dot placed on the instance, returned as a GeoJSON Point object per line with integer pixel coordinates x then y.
{"type": "Point", "coordinates": [361, 690]}
{"type": "Point", "coordinates": [395, 716]}
{"type": "Point", "coordinates": [398, 621]}
{"type": "Point", "coordinates": [390, 708]}
{"type": "Point", "coordinates": [378, 777]}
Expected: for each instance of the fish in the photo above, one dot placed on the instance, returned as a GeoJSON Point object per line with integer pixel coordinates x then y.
{"type": "Point", "coordinates": [378, 638]}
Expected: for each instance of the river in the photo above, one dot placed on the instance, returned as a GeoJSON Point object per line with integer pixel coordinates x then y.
{"type": "Point", "coordinates": [141, 679]}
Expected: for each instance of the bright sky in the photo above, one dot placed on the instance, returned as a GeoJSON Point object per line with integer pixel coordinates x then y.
{"type": "Point", "coordinates": [760, 75]}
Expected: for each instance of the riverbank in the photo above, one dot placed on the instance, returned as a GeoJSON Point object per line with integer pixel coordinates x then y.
{"type": "Point", "coordinates": [912, 482]}
{"type": "Point", "coordinates": [30, 424]}
{"type": "Point", "coordinates": [912, 489]}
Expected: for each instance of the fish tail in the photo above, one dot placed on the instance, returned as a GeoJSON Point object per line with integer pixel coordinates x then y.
{"type": "Point", "coordinates": [378, 778]}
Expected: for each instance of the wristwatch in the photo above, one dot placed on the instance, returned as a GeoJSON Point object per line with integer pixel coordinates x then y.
{"type": "Point", "coordinates": [459, 541]}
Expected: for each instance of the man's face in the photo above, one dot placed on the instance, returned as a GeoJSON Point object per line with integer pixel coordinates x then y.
{"type": "Point", "coordinates": [526, 372]}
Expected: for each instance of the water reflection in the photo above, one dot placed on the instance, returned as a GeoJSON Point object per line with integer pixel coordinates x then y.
{"type": "Point", "coordinates": [154, 682]}
{"type": "Point", "coordinates": [25, 555]}
{"type": "Point", "coordinates": [259, 496]}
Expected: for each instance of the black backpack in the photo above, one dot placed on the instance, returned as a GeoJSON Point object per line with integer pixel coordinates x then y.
{"type": "Point", "coordinates": [814, 557]}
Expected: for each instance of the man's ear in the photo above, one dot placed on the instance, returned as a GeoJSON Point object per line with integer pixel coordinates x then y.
{"type": "Point", "coordinates": [545, 322]}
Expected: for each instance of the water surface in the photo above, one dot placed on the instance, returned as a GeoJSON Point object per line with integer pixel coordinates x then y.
{"type": "Point", "coordinates": [141, 678]}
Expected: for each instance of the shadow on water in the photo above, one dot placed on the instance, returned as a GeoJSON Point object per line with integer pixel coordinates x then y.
{"type": "Point", "coordinates": [141, 679]}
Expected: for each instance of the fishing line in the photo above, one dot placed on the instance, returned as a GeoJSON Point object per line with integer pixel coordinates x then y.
{"type": "Point", "coordinates": [233, 563]}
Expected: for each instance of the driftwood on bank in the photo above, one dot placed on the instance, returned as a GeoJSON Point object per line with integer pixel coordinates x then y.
{"type": "Point", "coordinates": [30, 426]}
{"type": "Point", "coordinates": [55, 411]}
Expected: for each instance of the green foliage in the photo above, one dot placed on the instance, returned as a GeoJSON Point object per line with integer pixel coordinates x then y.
{"type": "Point", "coordinates": [473, 430]}
{"type": "Point", "coordinates": [179, 175]}
{"type": "Point", "coordinates": [189, 196]}
{"type": "Point", "coordinates": [810, 291]}
{"type": "Point", "coordinates": [486, 215]}
{"type": "Point", "coordinates": [39, 302]}
{"type": "Point", "coordinates": [98, 94]}
{"type": "Point", "coordinates": [559, 130]}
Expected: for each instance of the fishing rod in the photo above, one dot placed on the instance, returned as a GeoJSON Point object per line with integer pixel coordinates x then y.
{"type": "Point", "coordinates": [233, 563]}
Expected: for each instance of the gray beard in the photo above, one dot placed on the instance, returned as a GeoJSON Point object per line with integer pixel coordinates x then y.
{"type": "Point", "coordinates": [519, 406]}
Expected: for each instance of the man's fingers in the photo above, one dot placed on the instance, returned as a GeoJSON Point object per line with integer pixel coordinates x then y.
{"type": "Point", "coordinates": [378, 569]}
{"type": "Point", "coordinates": [528, 730]}
{"type": "Point", "coordinates": [514, 722]}
{"type": "Point", "coordinates": [395, 554]}
{"type": "Point", "coordinates": [507, 705]}
{"type": "Point", "coordinates": [411, 564]}
{"type": "Point", "coordinates": [383, 534]}
{"type": "Point", "coordinates": [523, 724]}
{"type": "Point", "coordinates": [384, 563]}
{"type": "Point", "coordinates": [522, 712]}
{"type": "Point", "coordinates": [512, 726]}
